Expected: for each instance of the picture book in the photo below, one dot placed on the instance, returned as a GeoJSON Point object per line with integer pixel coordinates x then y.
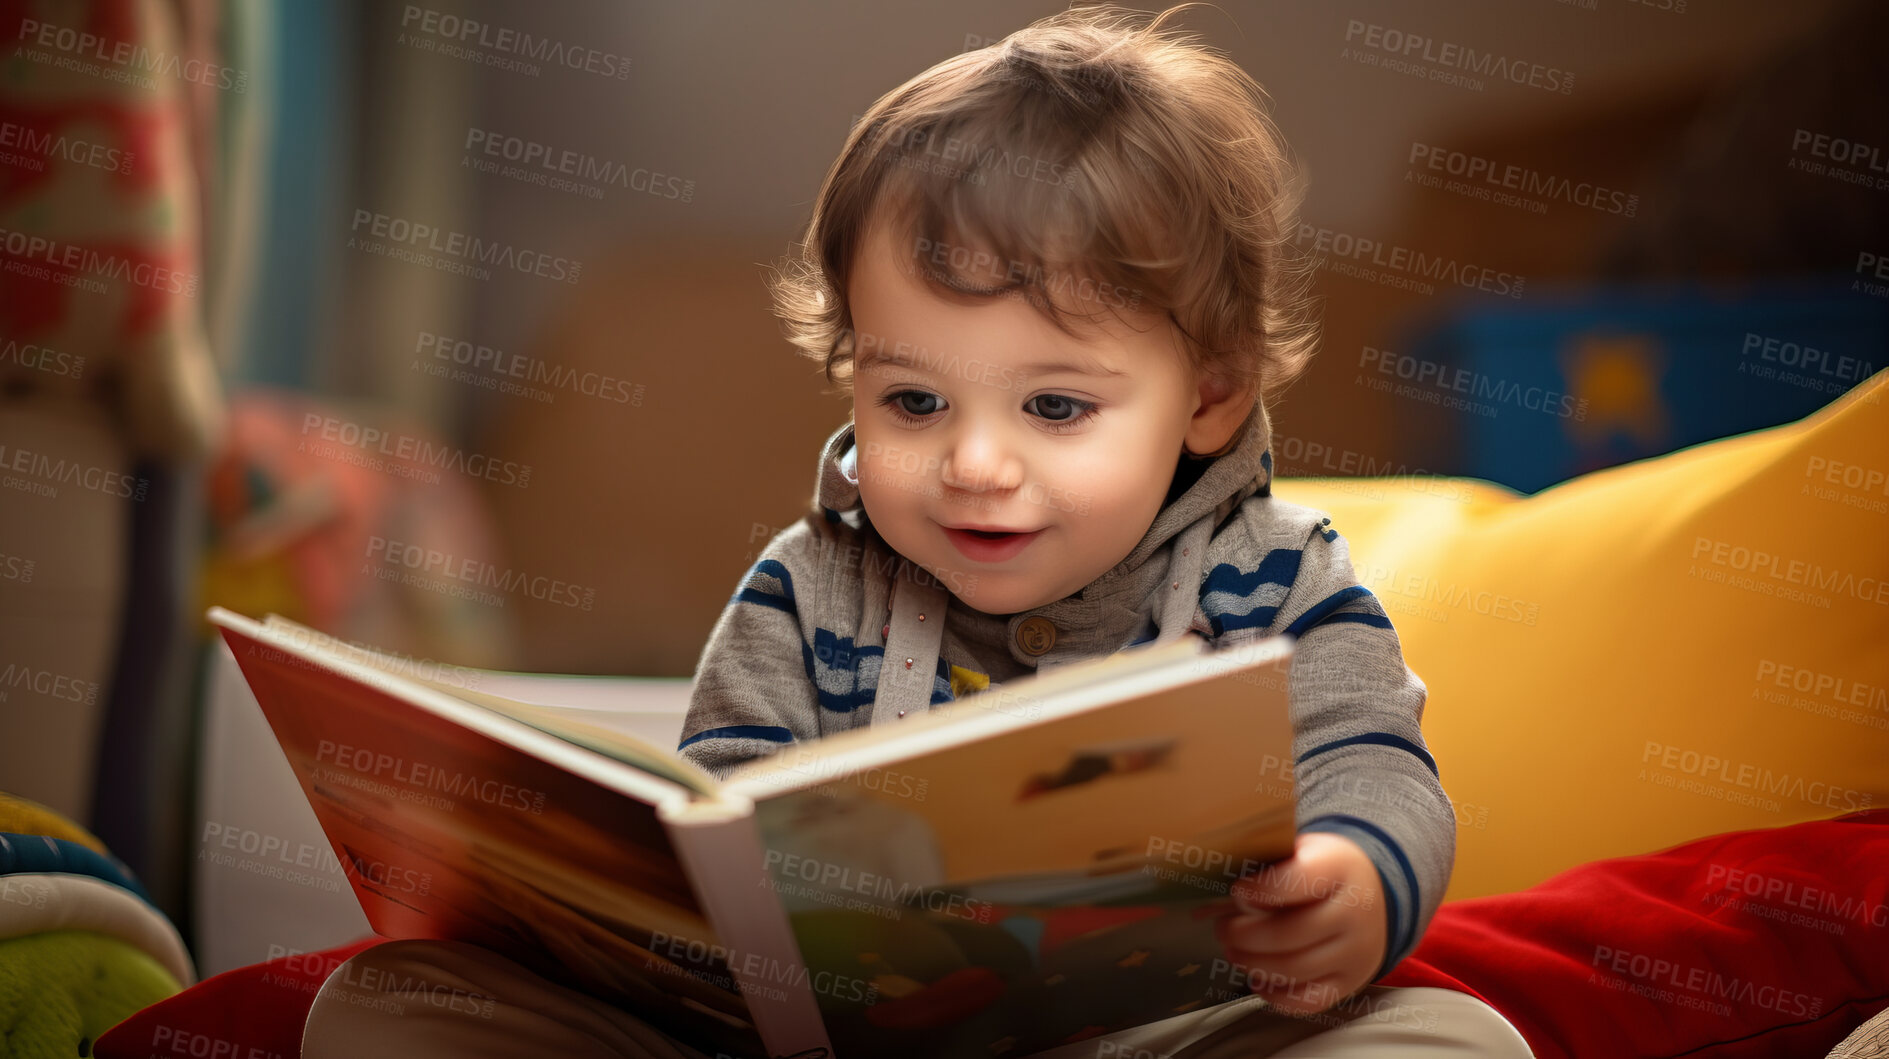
{"type": "Point", "coordinates": [1037, 863]}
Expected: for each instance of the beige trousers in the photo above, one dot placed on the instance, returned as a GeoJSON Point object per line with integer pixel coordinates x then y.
{"type": "Point", "coordinates": [424, 998]}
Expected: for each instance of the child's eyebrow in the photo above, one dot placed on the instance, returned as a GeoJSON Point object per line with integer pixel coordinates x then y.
{"type": "Point", "coordinates": [1063, 367]}
{"type": "Point", "coordinates": [931, 362]}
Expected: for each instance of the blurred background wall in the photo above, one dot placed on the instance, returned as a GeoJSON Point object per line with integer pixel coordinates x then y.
{"type": "Point", "coordinates": [1623, 227]}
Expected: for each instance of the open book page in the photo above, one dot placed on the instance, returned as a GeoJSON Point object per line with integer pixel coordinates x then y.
{"type": "Point", "coordinates": [1057, 878]}
{"type": "Point", "coordinates": [573, 725]}
{"type": "Point", "coordinates": [454, 823]}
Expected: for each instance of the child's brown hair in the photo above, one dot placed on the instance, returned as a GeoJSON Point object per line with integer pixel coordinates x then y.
{"type": "Point", "coordinates": [1094, 156]}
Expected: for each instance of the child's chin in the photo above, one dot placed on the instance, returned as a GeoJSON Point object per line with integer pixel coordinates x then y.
{"type": "Point", "coordinates": [1001, 604]}
{"type": "Point", "coordinates": [995, 610]}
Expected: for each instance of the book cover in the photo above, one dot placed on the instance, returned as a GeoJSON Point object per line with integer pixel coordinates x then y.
{"type": "Point", "coordinates": [502, 836]}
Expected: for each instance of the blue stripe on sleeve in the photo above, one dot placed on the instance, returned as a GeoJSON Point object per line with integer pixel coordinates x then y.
{"type": "Point", "coordinates": [1376, 621]}
{"type": "Point", "coordinates": [773, 733]}
{"type": "Point", "coordinates": [1378, 739]}
{"type": "Point", "coordinates": [1324, 607]}
{"type": "Point", "coordinates": [1403, 934]}
{"type": "Point", "coordinates": [765, 599]}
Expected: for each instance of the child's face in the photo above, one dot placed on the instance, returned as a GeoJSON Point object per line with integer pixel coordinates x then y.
{"type": "Point", "coordinates": [980, 412]}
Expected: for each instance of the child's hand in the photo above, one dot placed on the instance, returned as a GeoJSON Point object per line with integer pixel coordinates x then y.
{"type": "Point", "coordinates": [1310, 929]}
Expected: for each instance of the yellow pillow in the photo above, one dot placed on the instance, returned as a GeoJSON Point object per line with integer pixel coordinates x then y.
{"type": "Point", "coordinates": [1647, 654]}
{"type": "Point", "coordinates": [23, 817]}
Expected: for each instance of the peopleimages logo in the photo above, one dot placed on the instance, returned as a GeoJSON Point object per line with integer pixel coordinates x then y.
{"type": "Point", "coordinates": [126, 59]}
{"type": "Point", "coordinates": [40, 257]}
{"type": "Point", "coordinates": [17, 568]}
{"type": "Point", "coordinates": [1695, 987]}
{"type": "Point", "coordinates": [1850, 161]}
{"type": "Point", "coordinates": [39, 358]}
{"type": "Point", "coordinates": [1447, 58]}
{"type": "Point", "coordinates": [1425, 588]}
{"type": "Point", "coordinates": [42, 475]}
{"type": "Point", "coordinates": [417, 242]}
{"type": "Point", "coordinates": [1746, 775]}
{"type": "Point", "coordinates": [502, 47]}
{"type": "Point", "coordinates": [1771, 357]}
{"type": "Point", "coordinates": [1022, 274]}
{"type": "Point", "coordinates": [41, 144]}
{"type": "Point", "coordinates": [412, 559]}
{"type": "Point", "coordinates": [844, 886]}
{"type": "Point", "coordinates": [1305, 458]}
{"type": "Point", "coordinates": [1350, 254]}
{"type": "Point", "coordinates": [954, 156]}
{"type": "Point", "coordinates": [562, 169]}
{"type": "Point", "coordinates": [1508, 184]}
{"type": "Point", "coordinates": [46, 683]}
{"type": "Point", "coordinates": [1759, 562]}
{"type": "Point", "coordinates": [1823, 685]}
{"type": "Point", "coordinates": [751, 971]}
{"type": "Point", "coordinates": [1474, 384]}
{"type": "Point", "coordinates": [419, 775]}
{"type": "Point", "coordinates": [1849, 484]}
{"type": "Point", "coordinates": [516, 373]}
{"type": "Point", "coordinates": [374, 442]}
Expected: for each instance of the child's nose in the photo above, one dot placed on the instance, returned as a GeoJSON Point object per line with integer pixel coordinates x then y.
{"type": "Point", "coordinates": [980, 462]}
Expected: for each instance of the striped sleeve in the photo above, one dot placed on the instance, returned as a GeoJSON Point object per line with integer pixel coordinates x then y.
{"type": "Point", "coordinates": [1361, 768]}
{"type": "Point", "coordinates": [752, 696]}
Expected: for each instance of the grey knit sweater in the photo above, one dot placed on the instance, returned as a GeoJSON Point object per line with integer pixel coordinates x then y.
{"type": "Point", "coordinates": [814, 641]}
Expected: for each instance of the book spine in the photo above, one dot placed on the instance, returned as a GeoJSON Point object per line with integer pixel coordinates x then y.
{"type": "Point", "coordinates": [719, 845]}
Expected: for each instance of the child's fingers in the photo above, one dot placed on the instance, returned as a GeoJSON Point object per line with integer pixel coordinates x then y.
{"type": "Point", "coordinates": [1322, 867]}
{"type": "Point", "coordinates": [1281, 969]}
{"type": "Point", "coordinates": [1283, 884]}
{"type": "Point", "coordinates": [1279, 933]}
{"type": "Point", "coordinates": [1293, 974]}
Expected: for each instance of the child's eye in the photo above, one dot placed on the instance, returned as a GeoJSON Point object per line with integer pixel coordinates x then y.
{"type": "Point", "coordinates": [1058, 412]}
{"type": "Point", "coordinates": [1061, 412]}
{"type": "Point", "coordinates": [910, 405]}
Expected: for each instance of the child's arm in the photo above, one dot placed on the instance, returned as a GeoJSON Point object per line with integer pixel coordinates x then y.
{"type": "Point", "coordinates": [752, 693]}
{"type": "Point", "coordinates": [1377, 833]}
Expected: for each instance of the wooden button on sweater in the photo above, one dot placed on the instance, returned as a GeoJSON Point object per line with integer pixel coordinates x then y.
{"type": "Point", "coordinates": [1036, 635]}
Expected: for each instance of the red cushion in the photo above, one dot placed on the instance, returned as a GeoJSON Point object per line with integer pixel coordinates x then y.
{"type": "Point", "coordinates": [257, 1010]}
{"type": "Point", "coordinates": [1746, 944]}
{"type": "Point", "coordinates": [1738, 946]}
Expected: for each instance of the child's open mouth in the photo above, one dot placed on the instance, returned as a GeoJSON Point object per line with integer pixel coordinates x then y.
{"type": "Point", "coordinates": [990, 546]}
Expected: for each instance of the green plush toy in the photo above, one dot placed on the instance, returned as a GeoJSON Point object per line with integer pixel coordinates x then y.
{"type": "Point", "coordinates": [60, 989]}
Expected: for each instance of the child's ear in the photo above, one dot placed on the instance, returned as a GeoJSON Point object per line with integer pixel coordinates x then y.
{"type": "Point", "coordinates": [1224, 405]}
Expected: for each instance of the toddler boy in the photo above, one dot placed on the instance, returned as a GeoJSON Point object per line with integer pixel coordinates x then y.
{"type": "Point", "coordinates": [1053, 276]}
